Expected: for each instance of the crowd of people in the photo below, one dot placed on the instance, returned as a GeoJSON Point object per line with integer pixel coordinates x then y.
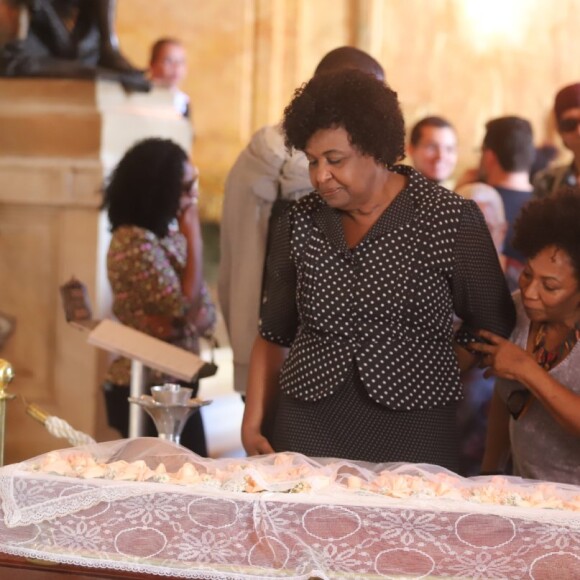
{"type": "Point", "coordinates": [374, 314]}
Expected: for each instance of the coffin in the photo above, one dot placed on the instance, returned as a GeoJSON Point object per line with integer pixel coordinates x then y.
{"type": "Point", "coordinates": [145, 507]}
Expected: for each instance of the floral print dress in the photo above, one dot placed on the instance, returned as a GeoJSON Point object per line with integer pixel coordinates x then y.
{"type": "Point", "coordinates": [145, 276]}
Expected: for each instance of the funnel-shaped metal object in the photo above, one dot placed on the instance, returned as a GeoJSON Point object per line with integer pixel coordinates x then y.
{"type": "Point", "coordinates": [170, 406]}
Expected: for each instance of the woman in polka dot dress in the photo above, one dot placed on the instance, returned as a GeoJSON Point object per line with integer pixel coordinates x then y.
{"type": "Point", "coordinates": [356, 357]}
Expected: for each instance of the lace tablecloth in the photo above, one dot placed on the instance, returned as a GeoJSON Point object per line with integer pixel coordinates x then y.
{"type": "Point", "coordinates": [325, 524]}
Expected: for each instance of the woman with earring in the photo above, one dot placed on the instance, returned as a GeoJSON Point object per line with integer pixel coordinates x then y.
{"type": "Point", "coordinates": [535, 411]}
{"type": "Point", "coordinates": [154, 265]}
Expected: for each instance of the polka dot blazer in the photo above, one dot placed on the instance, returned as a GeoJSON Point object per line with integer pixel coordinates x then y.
{"type": "Point", "coordinates": [385, 306]}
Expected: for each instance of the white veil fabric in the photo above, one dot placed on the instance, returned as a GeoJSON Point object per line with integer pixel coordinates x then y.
{"type": "Point", "coordinates": [151, 506]}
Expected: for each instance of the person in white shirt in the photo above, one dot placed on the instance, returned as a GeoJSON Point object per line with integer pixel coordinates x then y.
{"type": "Point", "coordinates": [168, 68]}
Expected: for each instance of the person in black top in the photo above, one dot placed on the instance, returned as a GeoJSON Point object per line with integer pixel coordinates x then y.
{"type": "Point", "coordinates": [355, 357]}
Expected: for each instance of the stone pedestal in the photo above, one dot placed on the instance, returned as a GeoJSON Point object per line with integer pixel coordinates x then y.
{"type": "Point", "coordinates": [59, 139]}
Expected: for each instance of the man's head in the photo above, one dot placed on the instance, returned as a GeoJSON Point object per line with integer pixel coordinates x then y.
{"type": "Point", "coordinates": [567, 111]}
{"type": "Point", "coordinates": [167, 64]}
{"type": "Point", "coordinates": [349, 57]}
{"type": "Point", "coordinates": [508, 146]}
{"type": "Point", "coordinates": [433, 148]}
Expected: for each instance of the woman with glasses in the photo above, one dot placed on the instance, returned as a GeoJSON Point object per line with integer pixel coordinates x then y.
{"type": "Point", "coordinates": [154, 265]}
{"type": "Point", "coordinates": [535, 411]}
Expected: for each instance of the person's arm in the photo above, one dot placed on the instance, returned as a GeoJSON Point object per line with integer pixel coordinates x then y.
{"type": "Point", "coordinates": [265, 364]}
{"type": "Point", "coordinates": [497, 440]}
{"type": "Point", "coordinates": [147, 289]}
{"type": "Point", "coordinates": [481, 298]}
{"type": "Point", "coordinates": [511, 362]}
{"type": "Point", "coordinates": [192, 276]}
{"type": "Point", "coordinates": [278, 328]}
{"type": "Point", "coordinates": [466, 360]}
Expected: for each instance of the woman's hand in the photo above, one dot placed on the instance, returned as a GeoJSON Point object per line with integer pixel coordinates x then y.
{"type": "Point", "coordinates": [192, 275]}
{"type": "Point", "coordinates": [188, 216]}
{"type": "Point", "coordinates": [255, 443]}
{"type": "Point", "coordinates": [509, 361]}
{"type": "Point", "coordinates": [503, 358]}
{"type": "Point", "coordinates": [261, 397]}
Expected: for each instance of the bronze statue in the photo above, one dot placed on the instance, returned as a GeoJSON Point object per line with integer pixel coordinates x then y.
{"type": "Point", "coordinates": [69, 39]}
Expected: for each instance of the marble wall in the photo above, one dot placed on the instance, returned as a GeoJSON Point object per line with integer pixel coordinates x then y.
{"type": "Point", "coordinates": [467, 60]}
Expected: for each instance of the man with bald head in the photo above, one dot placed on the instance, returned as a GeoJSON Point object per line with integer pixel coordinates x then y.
{"type": "Point", "coordinates": [265, 178]}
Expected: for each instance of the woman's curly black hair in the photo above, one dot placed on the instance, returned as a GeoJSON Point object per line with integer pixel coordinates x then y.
{"type": "Point", "coordinates": [359, 103]}
{"type": "Point", "coordinates": [552, 221]}
{"type": "Point", "coordinates": [145, 188]}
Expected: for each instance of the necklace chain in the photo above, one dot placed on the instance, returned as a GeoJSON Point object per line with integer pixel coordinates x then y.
{"type": "Point", "coordinates": [548, 359]}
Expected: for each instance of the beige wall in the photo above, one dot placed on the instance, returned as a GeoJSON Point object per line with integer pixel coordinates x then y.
{"type": "Point", "coordinates": [471, 60]}
{"type": "Point", "coordinates": [245, 57]}
{"type": "Point", "coordinates": [468, 60]}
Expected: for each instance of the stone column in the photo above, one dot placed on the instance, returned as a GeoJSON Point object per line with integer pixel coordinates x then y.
{"type": "Point", "coordinates": [59, 140]}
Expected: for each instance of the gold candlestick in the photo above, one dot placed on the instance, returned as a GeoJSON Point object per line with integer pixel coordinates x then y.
{"type": "Point", "coordinates": [6, 375]}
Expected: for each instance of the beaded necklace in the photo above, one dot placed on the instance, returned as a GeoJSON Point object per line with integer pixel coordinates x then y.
{"type": "Point", "coordinates": [520, 400]}
{"type": "Point", "coordinates": [548, 359]}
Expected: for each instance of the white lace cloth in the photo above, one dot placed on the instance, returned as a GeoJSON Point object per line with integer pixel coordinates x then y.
{"type": "Point", "coordinates": [418, 522]}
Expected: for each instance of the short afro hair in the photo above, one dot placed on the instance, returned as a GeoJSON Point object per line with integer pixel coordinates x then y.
{"type": "Point", "coordinates": [361, 104]}
{"type": "Point", "coordinates": [551, 221]}
{"type": "Point", "coordinates": [145, 188]}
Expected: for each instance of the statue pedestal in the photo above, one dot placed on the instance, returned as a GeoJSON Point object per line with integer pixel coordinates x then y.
{"type": "Point", "coordinates": [59, 140]}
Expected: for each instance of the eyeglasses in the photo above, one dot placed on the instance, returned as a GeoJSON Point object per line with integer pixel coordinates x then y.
{"type": "Point", "coordinates": [518, 402]}
{"type": "Point", "coordinates": [567, 125]}
{"type": "Point", "coordinates": [187, 186]}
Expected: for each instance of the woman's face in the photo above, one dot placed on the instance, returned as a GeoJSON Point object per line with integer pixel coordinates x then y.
{"type": "Point", "coordinates": [190, 186]}
{"type": "Point", "coordinates": [550, 289]}
{"type": "Point", "coordinates": [344, 177]}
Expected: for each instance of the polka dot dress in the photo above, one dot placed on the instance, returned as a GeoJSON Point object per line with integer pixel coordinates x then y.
{"type": "Point", "coordinates": [350, 425]}
{"type": "Point", "coordinates": [378, 317]}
